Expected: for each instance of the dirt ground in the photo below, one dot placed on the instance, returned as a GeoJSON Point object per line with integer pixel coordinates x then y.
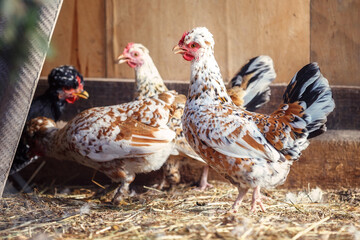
{"type": "Point", "coordinates": [181, 213]}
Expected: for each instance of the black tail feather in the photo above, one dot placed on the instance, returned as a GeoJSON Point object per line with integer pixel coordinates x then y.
{"type": "Point", "coordinates": [312, 90]}
{"type": "Point", "coordinates": [255, 78]}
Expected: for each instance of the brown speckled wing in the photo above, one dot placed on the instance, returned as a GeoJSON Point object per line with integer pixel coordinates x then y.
{"type": "Point", "coordinates": [127, 130]}
{"type": "Point", "coordinates": [230, 134]}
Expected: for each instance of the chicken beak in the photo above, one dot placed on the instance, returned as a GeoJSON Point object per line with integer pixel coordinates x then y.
{"type": "Point", "coordinates": [122, 59]}
{"type": "Point", "coordinates": [83, 94]}
{"type": "Point", "coordinates": [177, 49]}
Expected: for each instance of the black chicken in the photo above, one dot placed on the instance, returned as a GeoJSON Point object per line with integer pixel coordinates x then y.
{"type": "Point", "coordinates": [66, 85]}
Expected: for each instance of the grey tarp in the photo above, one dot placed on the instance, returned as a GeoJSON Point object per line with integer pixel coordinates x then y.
{"type": "Point", "coordinates": [17, 85]}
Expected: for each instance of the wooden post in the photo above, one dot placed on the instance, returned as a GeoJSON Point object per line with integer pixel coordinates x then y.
{"type": "Point", "coordinates": [18, 84]}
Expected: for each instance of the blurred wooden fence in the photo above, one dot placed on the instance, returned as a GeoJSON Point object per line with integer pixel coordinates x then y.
{"type": "Point", "coordinates": [90, 34]}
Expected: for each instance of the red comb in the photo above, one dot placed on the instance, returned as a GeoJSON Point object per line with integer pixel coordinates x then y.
{"type": "Point", "coordinates": [81, 87]}
{"type": "Point", "coordinates": [181, 42]}
{"type": "Point", "coordinates": [127, 49]}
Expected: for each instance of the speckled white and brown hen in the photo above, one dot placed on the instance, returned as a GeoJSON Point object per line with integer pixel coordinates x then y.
{"type": "Point", "coordinates": [251, 150]}
{"type": "Point", "coordinates": [120, 140]}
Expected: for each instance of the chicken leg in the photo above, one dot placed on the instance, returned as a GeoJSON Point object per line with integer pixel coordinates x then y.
{"type": "Point", "coordinates": [239, 199]}
{"type": "Point", "coordinates": [203, 180]}
{"type": "Point", "coordinates": [123, 190]}
{"type": "Point", "coordinates": [256, 200]}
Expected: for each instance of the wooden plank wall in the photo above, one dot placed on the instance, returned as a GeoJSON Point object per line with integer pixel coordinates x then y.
{"type": "Point", "coordinates": [91, 34]}
{"type": "Point", "coordinates": [335, 39]}
{"type": "Point", "coordinates": [79, 38]}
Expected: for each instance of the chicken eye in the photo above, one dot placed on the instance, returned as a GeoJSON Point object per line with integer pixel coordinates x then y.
{"type": "Point", "coordinates": [136, 54]}
{"type": "Point", "coordinates": [193, 45]}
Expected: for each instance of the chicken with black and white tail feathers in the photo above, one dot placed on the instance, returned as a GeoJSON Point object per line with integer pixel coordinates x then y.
{"type": "Point", "coordinates": [66, 85]}
{"type": "Point", "coordinates": [249, 88]}
{"type": "Point", "coordinates": [251, 150]}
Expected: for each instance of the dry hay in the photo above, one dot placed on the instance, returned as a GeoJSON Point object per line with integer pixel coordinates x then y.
{"type": "Point", "coordinates": [181, 213]}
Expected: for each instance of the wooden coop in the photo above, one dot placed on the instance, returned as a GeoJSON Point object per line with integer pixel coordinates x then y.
{"type": "Point", "coordinates": [90, 35]}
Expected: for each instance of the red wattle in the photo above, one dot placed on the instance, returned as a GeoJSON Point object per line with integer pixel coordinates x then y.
{"type": "Point", "coordinates": [131, 64]}
{"type": "Point", "coordinates": [188, 57]}
{"type": "Point", "coordinates": [70, 100]}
